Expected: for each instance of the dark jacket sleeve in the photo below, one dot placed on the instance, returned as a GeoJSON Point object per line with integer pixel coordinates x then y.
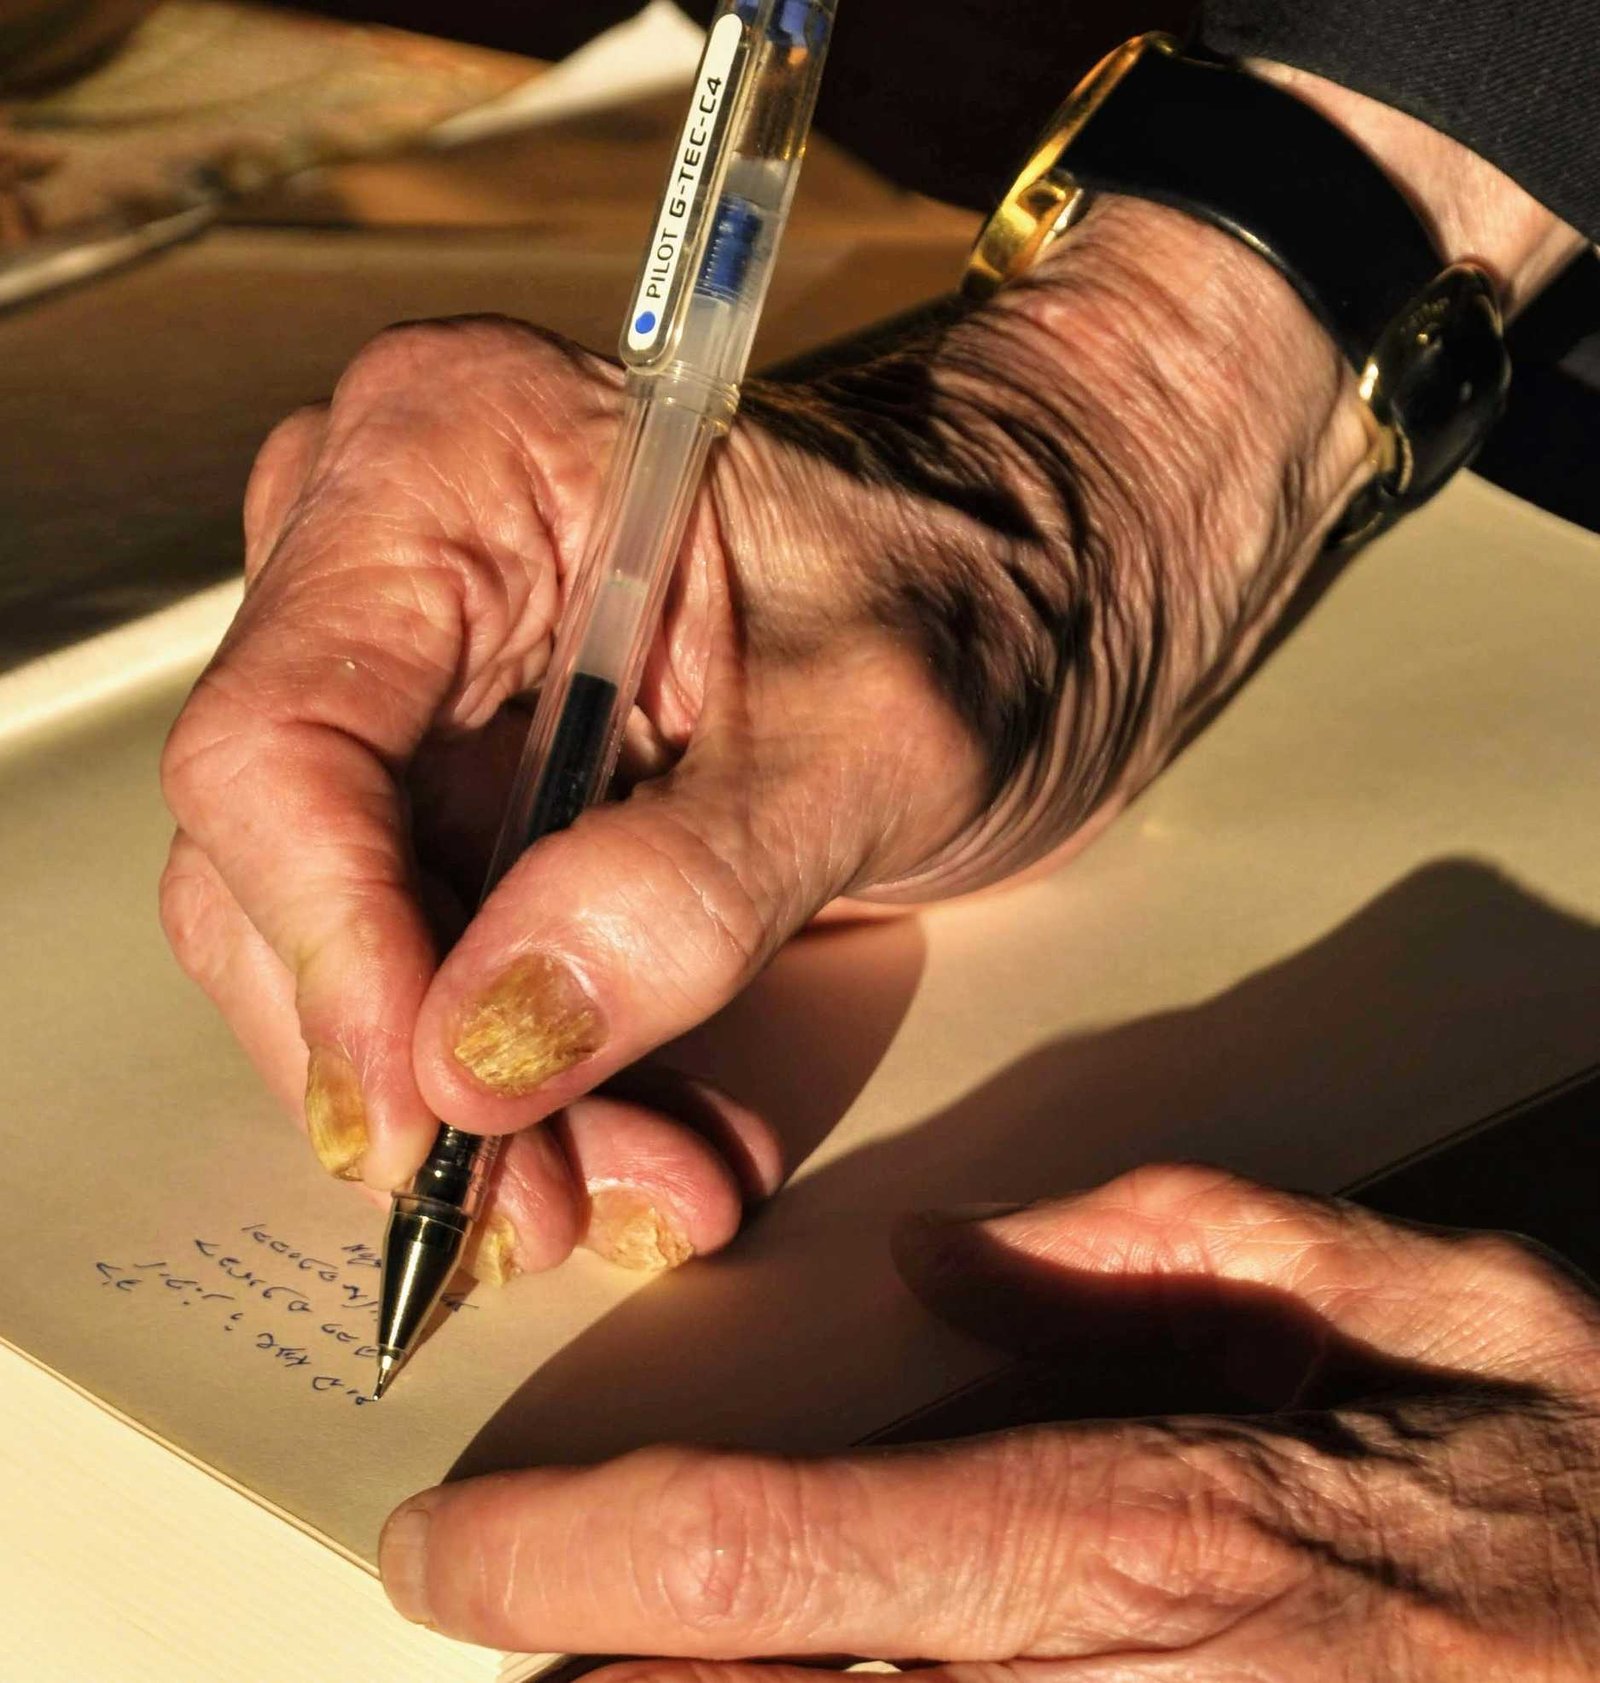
{"type": "Point", "coordinates": [1518, 81]}
{"type": "Point", "coordinates": [945, 95]}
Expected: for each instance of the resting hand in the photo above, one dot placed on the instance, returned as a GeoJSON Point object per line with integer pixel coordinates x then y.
{"type": "Point", "coordinates": [1418, 1506]}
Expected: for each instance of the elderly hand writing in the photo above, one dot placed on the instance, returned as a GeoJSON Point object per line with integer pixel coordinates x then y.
{"type": "Point", "coordinates": [945, 604]}
{"type": "Point", "coordinates": [942, 608]}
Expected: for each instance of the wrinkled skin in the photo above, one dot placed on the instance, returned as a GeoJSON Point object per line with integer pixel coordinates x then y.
{"type": "Point", "coordinates": [934, 622]}
{"type": "Point", "coordinates": [944, 605]}
{"type": "Point", "coordinates": [1415, 1496]}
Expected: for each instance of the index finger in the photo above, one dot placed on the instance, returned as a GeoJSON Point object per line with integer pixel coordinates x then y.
{"type": "Point", "coordinates": [413, 581]}
{"type": "Point", "coordinates": [1053, 1542]}
{"type": "Point", "coordinates": [279, 769]}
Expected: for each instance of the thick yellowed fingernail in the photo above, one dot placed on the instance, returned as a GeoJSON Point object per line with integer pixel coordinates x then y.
{"type": "Point", "coordinates": [336, 1117]}
{"type": "Point", "coordinates": [495, 1260]}
{"type": "Point", "coordinates": [533, 1023]}
{"type": "Point", "coordinates": [627, 1229]}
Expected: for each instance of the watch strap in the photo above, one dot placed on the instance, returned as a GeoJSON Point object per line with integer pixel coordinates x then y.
{"type": "Point", "coordinates": [1255, 161]}
{"type": "Point", "coordinates": [1251, 159]}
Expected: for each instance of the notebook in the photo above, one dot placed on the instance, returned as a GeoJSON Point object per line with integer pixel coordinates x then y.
{"type": "Point", "coordinates": [1361, 911]}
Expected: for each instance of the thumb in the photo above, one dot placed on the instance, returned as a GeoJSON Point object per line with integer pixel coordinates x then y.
{"type": "Point", "coordinates": [607, 940]}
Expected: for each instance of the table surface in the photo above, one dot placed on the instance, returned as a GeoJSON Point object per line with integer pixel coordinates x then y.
{"type": "Point", "coordinates": [131, 407]}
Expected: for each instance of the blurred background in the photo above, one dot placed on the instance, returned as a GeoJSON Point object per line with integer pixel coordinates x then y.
{"type": "Point", "coordinates": [206, 208]}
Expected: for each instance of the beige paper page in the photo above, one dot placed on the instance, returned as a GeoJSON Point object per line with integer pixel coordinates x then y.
{"type": "Point", "coordinates": [122, 1563]}
{"type": "Point", "coordinates": [1361, 911]}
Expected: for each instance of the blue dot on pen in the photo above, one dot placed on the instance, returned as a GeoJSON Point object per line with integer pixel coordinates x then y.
{"type": "Point", "coordinates": [646, 323]}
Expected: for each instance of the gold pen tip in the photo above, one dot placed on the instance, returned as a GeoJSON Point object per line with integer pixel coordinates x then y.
{"type": "Point", "coordinates": [388, 1367]}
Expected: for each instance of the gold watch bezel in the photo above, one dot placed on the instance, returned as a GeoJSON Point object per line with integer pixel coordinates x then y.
{"type": "Point", "coordinates": [1044, 201]}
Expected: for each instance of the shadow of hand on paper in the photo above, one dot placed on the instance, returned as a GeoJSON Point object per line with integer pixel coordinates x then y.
{"type": "Point", "coordinates": [800, 1045]}
{"type": "Point", "coordinates": [1449, 996]}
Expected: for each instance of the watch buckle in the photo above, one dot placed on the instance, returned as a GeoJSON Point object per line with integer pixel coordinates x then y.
{"type": "Point", "coordinates": [1044, 201]}
{"type": "Point", "coordinates": [1432, 386]}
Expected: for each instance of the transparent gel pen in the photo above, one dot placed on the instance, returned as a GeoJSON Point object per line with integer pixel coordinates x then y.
{"type": "Point", "coordinates": [685, 345]}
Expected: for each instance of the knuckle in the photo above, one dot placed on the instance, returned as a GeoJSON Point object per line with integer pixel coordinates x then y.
{"type": "Point", "coordinates": [277, 480]}
{"type": "Point", "coordinates": [185, 752]}
{"type": "Point", "coordinates": [202, 753]}
{"type": "Point", "coordinates": [455, 350]}
{"type": "Point", "coordinates": [1190, 1535]}
{"type": "Point", "coordinates": [1010, 1548]}
{"type": "Point", "coordinates": [185, 904]}
{"type": "Point", "coordinates": [727, 1542]}
{"type": "Point", "coordinates": [400, 354]}
{"type": "Point", "coordinates": [1186, 1189]}
{"type": "Point", "coordinates": [283, 445]}
{"type": "Point", "coordinates": [1221, 1205]}
{"type": "Point", "coordinates": [1512, 1272]}
{"type": "Point", "coordinates": [1507, 1259]}
{"type": "Point", "coordinates": [1541, 1310]}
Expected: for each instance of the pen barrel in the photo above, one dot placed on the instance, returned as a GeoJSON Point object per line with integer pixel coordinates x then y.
{"type": "Point", "coordinates": [614, 610]}
{"type": "Point", "coordinates": [607, 628]}
{"type": "Point", "coordinates": [686, 346]}
{"type": "Point", "coordinates": [729, 186]}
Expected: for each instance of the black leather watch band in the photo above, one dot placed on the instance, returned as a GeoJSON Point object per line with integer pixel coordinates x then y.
{"type": "Point", "coordinates": [1243, 154]}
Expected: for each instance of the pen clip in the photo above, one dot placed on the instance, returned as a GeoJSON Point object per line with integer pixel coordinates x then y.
{"type": "Point", "coordinates": [685, 219]}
